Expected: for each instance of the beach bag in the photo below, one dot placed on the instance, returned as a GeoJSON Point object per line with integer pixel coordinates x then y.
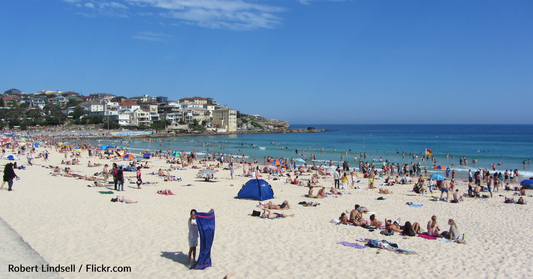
{"type": "Point", "coordinates": [256, 213]}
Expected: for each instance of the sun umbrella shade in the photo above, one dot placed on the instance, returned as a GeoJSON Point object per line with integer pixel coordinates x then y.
{"type": "Point", "coordinates": [208, 172]}
{"type": "Point", "coordinates": [439, 167]}
{"type": "Point", "coordinates": [277, 162]}
{"type": "Point", "coordinates": [437, 176]}
{"type": "Point", "coordinates": [527, 182]}
{"type": "Point", "coordinates": [11, 157]}
{"type": "Point", "coordinates": [147, 155]}
{"type": "Point", "coordinates": [128, 157]}
{"type": "Point", "coordinates": [175, 154]}
{"type": "Point", "coordinates": [300, 160]}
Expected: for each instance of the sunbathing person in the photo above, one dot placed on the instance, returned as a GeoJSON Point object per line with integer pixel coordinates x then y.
{"type": "Point", "coordinates": [270, 205]}
{"type": "Point", "coordinates": [334, 191]}
{"type": "Point", "coordinates": [393, 226]}
{"type": "Point", "coordinates": [356, 217]}
{"type": "Point", "coordinates": [384, 191]}
{"type": "Point", "coordinates": [322, 193]}
{"type": "Point", "coordinates": [98, 184]}
{"type": "Point", "coordinates": [453, 233]}
{"type": "Point", "coordinates": [374, 222]}
{"type": "Point", "coordinates": [310, 193]}
{"type": "Point", "coordinates": [509, 200]}
{"type": "Point", "coordinates": [457, 197]}
{"type": "Point", "coordinates": [411, 230]}
{"type": "Point", "coordinates": [306, 204]}
{"type": "Point", "coordinates": [344, 219]}
{"type": "Point", "coordinates": [165, 192]}
{"type": "Point", "coordinates": [122, 200]}
{"type": "Point", "coordinates": [433, 227]}
{"type": "Point", "coordinates": [273, 215]}
{"type": "Point", "coordinates": [521, 201]}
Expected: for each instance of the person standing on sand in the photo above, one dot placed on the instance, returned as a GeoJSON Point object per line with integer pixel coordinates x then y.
{"type": "Point", "coordinates": [371, 177]}
{"type": "Point", "coordinates": [193, 236]}
{"type": "Point", "coordinates": [9, 175]}
{"type": "Point", "coordinates": [337, 178]}
{"type": "Point", "coordinates": [120, 179]}
{"type": "Point", "coordinates": [115, 171]}
{"type": "Point", "coordinates": [105, 173]}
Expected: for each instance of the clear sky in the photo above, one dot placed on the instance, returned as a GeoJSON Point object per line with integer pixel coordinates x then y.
{"type": "Point", "coordinates": [313, 61]}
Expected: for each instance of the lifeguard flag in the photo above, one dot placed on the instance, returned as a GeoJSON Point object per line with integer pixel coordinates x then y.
{"type": "Point", "coordinates": [428, 152]}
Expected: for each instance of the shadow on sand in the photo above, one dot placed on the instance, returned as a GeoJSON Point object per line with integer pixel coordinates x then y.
{"type": "Point", "coordinates": [178, 257]}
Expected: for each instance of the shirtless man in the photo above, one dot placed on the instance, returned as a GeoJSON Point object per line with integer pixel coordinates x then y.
{"type": "Point", "coordinates": [356, 217]}
{"type": "Point", "coordinates": [371, 177]}
{"type": "Point", "coordinates": [336, 192]}
{"type": "Point", "coordinates": [457, 196]}
{"type": "Point", "coordinates": [310, 193]}
{"type": "Point", "coordinates": [272, 215]}
{"type": "Point", "coordinates": [270, 205]}
{"type": "Point", "coordinates": [393, 226]}
{"type": "Point", "coordinates": [322, 193]}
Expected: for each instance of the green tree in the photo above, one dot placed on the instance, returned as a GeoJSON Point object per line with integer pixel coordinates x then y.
{"type": "Point", "coordinates": [78, 112]}
{"type": "Point", "coordinates": [96, 119]}
{"type": "Point", "coordinates": [36, 113]}
{"type": "Point", "coordinates": [2, 101]}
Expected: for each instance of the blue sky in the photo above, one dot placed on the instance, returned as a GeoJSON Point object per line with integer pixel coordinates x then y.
{"type": "Point", "coordinates": [314, 61]}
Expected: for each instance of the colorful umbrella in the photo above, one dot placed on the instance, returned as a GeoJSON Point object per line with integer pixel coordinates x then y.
{"type": "Point", "coordinates": [439, 167]}
{"type": "Point", "coordinates": [128, 157]}
{"type": "Point", "coordinates": [175, 154]}
{"type": "Point", "coordinates": [277, 162]}
{"type": "Point", "coordinates": [437, 176]}
{"type": "Point", "coordinates": [147, 155]}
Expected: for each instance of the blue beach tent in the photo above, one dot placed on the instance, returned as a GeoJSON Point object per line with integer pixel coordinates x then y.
{"type": "Point", "coordinates": [256, 189]}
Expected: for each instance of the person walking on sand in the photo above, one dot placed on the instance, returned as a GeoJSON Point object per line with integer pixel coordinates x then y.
{"type": "Point", "coordinates": [9, 175]}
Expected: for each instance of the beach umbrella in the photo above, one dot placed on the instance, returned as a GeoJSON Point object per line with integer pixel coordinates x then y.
{"type": "Point", "coordinates": [147, 155]}
{"type": "Point", "coordinates": [277, 162]}
{"type": "Point", "coordinates": [103, 147]}
{"type": "Point", "coordinates": [208, 172]}
{"type": "Point", "coordinates": [439, 167]}
{"type": "Point", "coordinates": [5, 140]}
{"type": "Point", "coordinates": [437, 176]}
{"type": "Point", "coordinates": [175, 154]}
{"type": "Point", "coordinates": [527, 182]}
{"type": "Point", "coordinates": [77, 149]}
{"type": "Point", "coordinates": [128, 157]}
{"type": "Point", "coordinates": [300, 160]}
{"type": "Point", "coordinates": [10, 157]}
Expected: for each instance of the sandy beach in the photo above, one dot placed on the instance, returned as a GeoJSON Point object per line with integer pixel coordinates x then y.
{"type": "Point", "coordinates": [67, 223]}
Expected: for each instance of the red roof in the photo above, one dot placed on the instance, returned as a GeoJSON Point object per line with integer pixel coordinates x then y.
{"type": "Point", "coordinates": [9, 99]}
{"type": "Point", "coordinates": [128, 104]}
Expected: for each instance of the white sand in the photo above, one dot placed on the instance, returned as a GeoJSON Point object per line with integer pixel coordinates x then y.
{"type": "Point", "coordinates": [70, 223]}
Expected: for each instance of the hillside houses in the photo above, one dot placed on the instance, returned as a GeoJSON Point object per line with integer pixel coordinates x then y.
{"type": "Point", "coordinates": [134, 112]}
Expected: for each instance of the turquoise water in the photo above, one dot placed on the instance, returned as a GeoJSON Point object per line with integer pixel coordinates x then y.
{"type": "Point", "coordinates": [490, 144]}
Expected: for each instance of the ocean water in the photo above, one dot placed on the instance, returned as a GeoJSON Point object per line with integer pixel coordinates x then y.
{"type": "Point", "coordinates": [509, 145]}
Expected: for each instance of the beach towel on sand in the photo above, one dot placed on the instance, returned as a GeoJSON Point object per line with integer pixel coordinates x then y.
{"type": "Point", "coordinates": [206, 228]}
{"type": "Point", "coordinates": [354, 245]}
{"type": "Point", "coordinates": [426, 236]}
